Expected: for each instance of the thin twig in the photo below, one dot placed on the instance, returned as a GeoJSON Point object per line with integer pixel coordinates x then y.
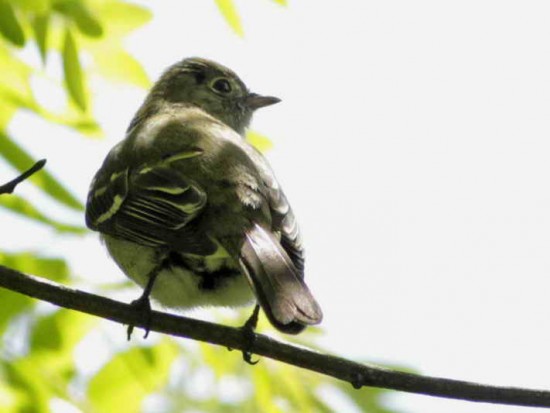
{"type": "Point", "coordinates": [9, 187]}
{"type": "Point", "coordinates": [357, 374]}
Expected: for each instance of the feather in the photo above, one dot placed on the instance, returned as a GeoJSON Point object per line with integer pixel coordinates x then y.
{"type": "Point", "coordinates": [147, 205]}
{"type": "Point", "coordinates": [281, 291]}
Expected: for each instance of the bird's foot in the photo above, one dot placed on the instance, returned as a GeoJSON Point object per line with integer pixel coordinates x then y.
{"type": "Point", "coordinates": [249, 336]}
{"type": "Point", "coordinates": [143, 306]}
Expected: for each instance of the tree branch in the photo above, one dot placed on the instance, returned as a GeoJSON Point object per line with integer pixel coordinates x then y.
{"type": "Point", "coordinates": [9, 187]}
{"type": "Point", "coordinates": [357, 374]}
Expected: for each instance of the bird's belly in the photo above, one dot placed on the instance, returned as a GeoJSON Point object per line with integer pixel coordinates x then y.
{"type": "Point", "coordinates": [177, 286]}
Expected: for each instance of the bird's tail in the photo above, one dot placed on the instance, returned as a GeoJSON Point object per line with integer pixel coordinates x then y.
{"type": "Point", "coordinates": [280, 290]}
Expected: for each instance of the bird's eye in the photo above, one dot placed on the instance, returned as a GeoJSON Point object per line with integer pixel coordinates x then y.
{"type": "Point", "coordinates": [222, 85]}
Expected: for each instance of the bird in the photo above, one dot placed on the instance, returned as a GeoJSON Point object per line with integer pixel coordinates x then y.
{"type": "Point", "coordinates": [192, 212]}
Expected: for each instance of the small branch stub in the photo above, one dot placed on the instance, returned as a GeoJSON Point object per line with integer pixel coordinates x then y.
{"type": "Point", "coordinates": [9, 187]}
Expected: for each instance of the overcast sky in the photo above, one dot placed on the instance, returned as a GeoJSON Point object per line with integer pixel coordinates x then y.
{"type": "Point", "coordinates": [413, 143]}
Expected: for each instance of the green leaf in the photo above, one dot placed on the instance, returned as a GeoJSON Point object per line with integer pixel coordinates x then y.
{"type": "Point", "coordinates": [281, 2]}
{"type": "Point", "coordinates": [15, 89]}
{"type": "Point", "coordinates": [40, 24]}
{"type": "Point", "coordinates": [86, 22]}
{"type": "Point", "coordinates": [320, 406]}
{"type": "Point", "coordinates": [55, 269]}
{"type": "Point", "coordinates": [48, 368]}
{"type": "Point", "coordinates": [10, 398]}
{"type": "Point", "coordinates": [12, 303]}
{"type": "Point", "coordinates": [229, 12]}
{"type": "Point", "coordinates": [7, 112]}
{"type": "Point", "coordinates": [73, 118]}
{"type": "Point", "coordinates": [129, 377]}
{"type": "Point", "coordinates": [73, 71]}
{"type": "Point", "coordinates": [60, 332]}
{"type": "Point", "coordinates": [21, 206]}
{"type": "Point", "coordinates": [260, 142]}
{"type": "Point", "coordinates": [292, 388]}
{"type": "Point", "coordinates": [118, 65]}
{"type": "Point", "coordinates": [263, 391]}
{"type": "Point", "coordinates": [9, 25]}
{"type": "Point", "coordinates": [34, 6]}
{"type": "Point", "coordinates": [34, 390]}
{"type": "Point", "coordinates": [119, 18]}
{"type": "Point", "coordinates": [219, 361]}
{"type": "Point", "coordinates": [21, 160]}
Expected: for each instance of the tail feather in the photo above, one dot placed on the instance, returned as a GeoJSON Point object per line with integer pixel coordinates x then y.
{"type": "Point", "coordinates": [282, 293]}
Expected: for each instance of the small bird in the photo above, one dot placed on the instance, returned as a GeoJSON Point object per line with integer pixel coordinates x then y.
{"type": "Point", "coordinates": [192, 212]}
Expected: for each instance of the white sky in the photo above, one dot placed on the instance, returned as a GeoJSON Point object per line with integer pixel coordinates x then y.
{"type": "Point", "coordinates": [413, 142]}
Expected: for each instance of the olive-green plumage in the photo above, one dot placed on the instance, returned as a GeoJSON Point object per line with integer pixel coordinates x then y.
{"type": "Point", "coordinates": [186, 192]}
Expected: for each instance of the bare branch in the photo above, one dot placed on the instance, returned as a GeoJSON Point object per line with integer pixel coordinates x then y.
{"type": "Point", "coordinates": [357, 374]}
{"type": "Point", "coordinates": [9, 187]}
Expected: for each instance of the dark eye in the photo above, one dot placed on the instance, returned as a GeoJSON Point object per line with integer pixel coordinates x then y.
{"type": "Point", "coordinates": [222, 85]}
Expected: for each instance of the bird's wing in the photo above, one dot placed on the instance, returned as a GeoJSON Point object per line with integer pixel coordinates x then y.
{"type": "Point", "coordinates": [284, 222]}
{"type": "Point", "coordinates": [148, 205]}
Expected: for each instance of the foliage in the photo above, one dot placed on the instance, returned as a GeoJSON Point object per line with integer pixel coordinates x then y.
{"type": "Point", "coordinates": [66, 30]}
{"type": "Point", "coordinates": [41, 365]}
{"type": "Point", "coordinates": [229, 12]}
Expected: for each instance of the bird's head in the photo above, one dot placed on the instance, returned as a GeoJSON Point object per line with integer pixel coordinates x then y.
{"type": "Point", "coordinates": [212, 87]}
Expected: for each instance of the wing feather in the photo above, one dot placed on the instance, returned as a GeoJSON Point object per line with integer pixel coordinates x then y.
{"type": "Point", "coordinates": [148, 205]}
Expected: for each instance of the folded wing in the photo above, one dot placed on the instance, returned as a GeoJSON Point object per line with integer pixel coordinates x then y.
{"type": "Point", "coordinates": [149, 205]}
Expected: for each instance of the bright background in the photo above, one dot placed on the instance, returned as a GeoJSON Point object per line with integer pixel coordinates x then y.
{"type": "Point", "coordinates": [413, 143]}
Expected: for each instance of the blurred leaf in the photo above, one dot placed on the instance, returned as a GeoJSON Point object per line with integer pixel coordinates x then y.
{"type": "Point", "coordinates": [21, 160]}
{"type": "Point", "coordinates": [7, 112]}
{"type": "Point", "coordinates": [60, 332]}
{"type": "Point", "coordinates": [47, 369]}
{"type": "Point", "coordinates": [35, 392]}
{"type": "Point", "coordinates": [263, 393]}
{"type": "Point", "coordinates": [119, 18]}
{"type": "Point", "coordinates": [229, 12]}
{"type": "Point", "coordinates": [292, 388]}
{"type": "Point", "coordinates": [73, 70]}
{"type": "Point", "coordinates": [15, 89]}
{"type": "Point", "coordinates": [54, 269]}
{"type": "Point", "coordinates": [34, 6]}
{"type": "Point", "coordinates": [129, 377]}
{"type": "Point", "coordinates": [77, 10]}
{"type": "Point", "coordinates": [319, 406]}
{"type": "Point", "coordinates": [40, 24]}
{"type": "Point", "coordinates": [12, 303]}
{"type": "Point", "coordinates": [260, 142]}
{"type": "Point", "coordinates": [10, 398]}
{"type": "Point", "coordinates": [219, 361]}
{"type": "Point", "coordinates": [21, 206]}
{"type": "Point", "coordinates": [9, 25]}
{"type": "Point", "coordinates": [52, 344]}
{"type": "Point", "coordinates": [74, 118]}
{"type": "Point", "coordinates": [281, 2]}
{"type": "Point", "coordinates": [117, 64]}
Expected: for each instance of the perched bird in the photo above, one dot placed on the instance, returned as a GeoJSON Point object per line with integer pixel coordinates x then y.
{"type": "Point", "coordinates": [192, 212]}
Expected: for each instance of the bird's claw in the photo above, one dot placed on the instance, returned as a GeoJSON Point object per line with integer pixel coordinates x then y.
{"type": "Point", "coordinates": [250, 336]}
{"type": "Point", "coordinates": [143, 306]}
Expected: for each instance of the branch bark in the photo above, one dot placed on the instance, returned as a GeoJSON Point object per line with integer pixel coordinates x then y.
{"type": "Point", "coordinates": [357, 374]}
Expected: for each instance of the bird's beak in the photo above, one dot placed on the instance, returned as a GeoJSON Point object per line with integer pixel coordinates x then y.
{"type": "Point", "coordinates": [255, 101]}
